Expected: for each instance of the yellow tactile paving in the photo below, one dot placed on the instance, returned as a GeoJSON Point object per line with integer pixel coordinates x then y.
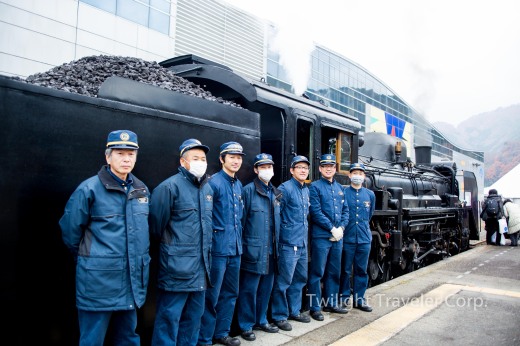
{"type": "Point", "coordinates": [495, 291]}
{"type": "Point", "coordinates": [387, 326]}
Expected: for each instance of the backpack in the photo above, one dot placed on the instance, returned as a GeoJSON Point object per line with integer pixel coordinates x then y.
{"type": "Point", "coordinates": [492, 207]}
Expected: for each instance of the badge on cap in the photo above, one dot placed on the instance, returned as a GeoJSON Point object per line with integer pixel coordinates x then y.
{"type": "Point", "coordinates": [231, 148]}
{"type": "Point", "coordinates": [122, 139]}
{"type": "Point", "coordinates": [327, 159]}
{"type": "Point", "coordinates": [358, 166]}
{"type": "Point", "coordinates": [299, 158]}
{"type": "Point", "coordinates": [191, 144]}
{"type": "Point", "coordinates": [263, 159]}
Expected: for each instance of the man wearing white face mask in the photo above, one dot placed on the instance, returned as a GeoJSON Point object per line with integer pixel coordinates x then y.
{"type": "Point", "coordinates": [261, 228]}
{"type": "Point", "coordinates": [357, 239]}
{"type": "Point", "coordinates": [181, 216]}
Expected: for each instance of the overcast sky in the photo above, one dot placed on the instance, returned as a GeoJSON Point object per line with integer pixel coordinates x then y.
{"type": "Point", "coordinates": [448, 59]}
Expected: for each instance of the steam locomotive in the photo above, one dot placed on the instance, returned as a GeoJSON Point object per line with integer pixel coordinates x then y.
{"type": "Point", "coordinates": [52, 140]}
{"type": "Point", "coordinates": [421, 214]}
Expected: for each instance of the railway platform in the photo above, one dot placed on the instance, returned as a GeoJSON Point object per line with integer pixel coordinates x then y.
{"type": "Point", "coordinates": [472, 298]}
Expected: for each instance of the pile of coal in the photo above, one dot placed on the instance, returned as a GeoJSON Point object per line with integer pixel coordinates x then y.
{"type": "Point", "coordinates": [85, 76]}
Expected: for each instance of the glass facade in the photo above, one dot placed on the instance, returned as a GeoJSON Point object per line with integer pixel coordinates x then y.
{"type": "Point", "coordinates": [342, 84]}
{"type": "Point", "coordinates": [154, 14]}
{"type": "Point", "coordinates": [334, 81]}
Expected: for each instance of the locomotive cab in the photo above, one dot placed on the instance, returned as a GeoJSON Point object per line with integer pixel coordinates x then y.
{"type": "Point", "coordinates": [290, 125]}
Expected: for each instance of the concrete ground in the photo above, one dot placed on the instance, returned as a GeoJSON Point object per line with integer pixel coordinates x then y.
{"type": "Point", "coordinates": [468, 299]}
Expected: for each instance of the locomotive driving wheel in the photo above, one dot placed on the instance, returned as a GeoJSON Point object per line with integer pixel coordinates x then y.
{"type": "Point", "coordinates": [373, 272]}
{"type": "Point", "coordinates": [404, 267]}
{"type": "Point", "coordinates": [378, 272]}
{"type": "Point", "coordinates": [386, 272]}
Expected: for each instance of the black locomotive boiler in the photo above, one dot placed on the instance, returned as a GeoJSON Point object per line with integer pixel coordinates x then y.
{"type": "Point", "coordinates": [421, 213]}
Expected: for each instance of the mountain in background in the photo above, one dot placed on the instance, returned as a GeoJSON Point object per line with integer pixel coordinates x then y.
{"type": "Point", "coordinates": [496, 133]}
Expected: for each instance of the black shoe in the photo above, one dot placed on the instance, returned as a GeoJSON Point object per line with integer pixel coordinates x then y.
{"type": "Point", "coordinates": [248, 335]}
{"type": "Point", "coordinates": [335, 309]}
{"type": "Point", "coordinates": [268, 328]}
{"type": "Point", "coordinates": [227, 340]}
{"type": "Point", "coordinates": [300, 318]}
{"type": "Point", "coordinates": [363, 307]}
{"type": "Point", "coordinates": [317, 315]}
{"type": "Point", "coordinates": [283, 325]}
{"type": "Point", "coordinates": [344, 303]}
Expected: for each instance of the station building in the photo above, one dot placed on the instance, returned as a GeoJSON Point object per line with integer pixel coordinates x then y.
{"type": "Point", "coordinates": [39, 35]}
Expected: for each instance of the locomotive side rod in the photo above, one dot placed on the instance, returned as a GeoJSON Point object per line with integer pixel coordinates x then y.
{"type": "Point", "coordinates": [419, 259]}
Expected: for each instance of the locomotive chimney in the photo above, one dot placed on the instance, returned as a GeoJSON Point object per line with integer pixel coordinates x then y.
{"type": "Point", "coordinates": [397, 151]}
{"type": "Point", "coordinates": [423, 155]}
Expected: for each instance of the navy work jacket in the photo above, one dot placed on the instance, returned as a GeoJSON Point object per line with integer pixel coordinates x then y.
{"type": "Point", "coordinates": [181, 216]}
{"type": "Point", "coordinates": [261, 210]}
{"type": "Point", "coordinates": [105, 226]}
{"type": "Point", "coordinates": [294, 213]}
{"type": "Point", "coordinates": [361, 204]}
{"type": "Point", "coordinates": [227, 215]}
{"type": "Point", "coordinates": [328, 208]}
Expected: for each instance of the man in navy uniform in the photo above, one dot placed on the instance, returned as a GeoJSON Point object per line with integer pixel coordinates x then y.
{"type": "Point", "coordinates": [329, 217]}
{"type": "Point", "coordinates": [259, 243]}
{"type": "Point", "coordinates": [105, 226]}
{"type": "Point", "coordinates": [225, 250]}
{"type": "Point", "coordinates": [181, 216]}
{"type": "Point", "coordinates": [292, 262]}
{"type": "Point", "coordinates": [357, 239]}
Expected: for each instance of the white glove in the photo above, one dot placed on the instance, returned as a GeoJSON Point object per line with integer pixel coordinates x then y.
{"type": "Point", "coordinates": [332, 238]}
{"type": "Point", "coordinates": [337, 233]}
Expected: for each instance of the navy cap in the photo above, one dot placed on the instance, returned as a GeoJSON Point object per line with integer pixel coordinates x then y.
{"type": "Point", "coordinates": [358, 166]}
{"type": "Point", "coordinates": [299, 158]}
{"type": "Point", "coordinates": [233, 148]}
{"type": "Point", "coordinates": [327, 159]}
{"type": "Point", "coordinates": [263, 159]}
{"type": "Point", "coordinates": [122, 139]}
{"type": "Point", "coordinates": [192, 143]}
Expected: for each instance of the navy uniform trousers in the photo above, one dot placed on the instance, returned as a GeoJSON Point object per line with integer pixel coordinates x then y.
{"type": "Point", "coordinates": [254, 296]}
{"type": "Point", "coordinates": [357, 255]}
{"type": "Point", "coordinates": [326, 264]}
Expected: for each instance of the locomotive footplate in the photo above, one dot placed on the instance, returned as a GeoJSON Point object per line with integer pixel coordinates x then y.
{"type": "Point", "coordinates": [429, 211]}
{"type": "Point", "coordinates": [385, 213]}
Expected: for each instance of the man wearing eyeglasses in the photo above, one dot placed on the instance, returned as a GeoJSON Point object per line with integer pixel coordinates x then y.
{"type": "Point", "coordinates": [292, 262]}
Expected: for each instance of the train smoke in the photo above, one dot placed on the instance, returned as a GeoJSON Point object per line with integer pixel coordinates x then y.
{"type": "Point", "coordinates": [294, 48]}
